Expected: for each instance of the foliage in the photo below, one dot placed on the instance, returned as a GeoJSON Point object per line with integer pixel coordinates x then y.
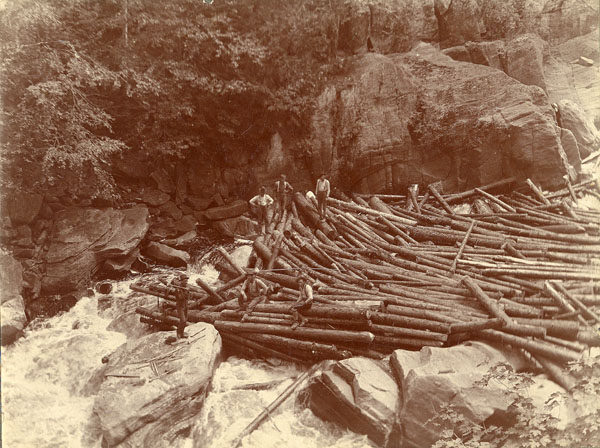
{"type": "Point", "coordinates": [84, 80]}
{"type": "Point", "coordinates": [532, 427]}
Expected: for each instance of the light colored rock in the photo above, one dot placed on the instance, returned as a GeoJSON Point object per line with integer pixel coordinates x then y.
{"type": "Point", "coordinates": [572, 152]}
{"type": "Point", "coordinates": [586, 62]}
{"type": "Point", "coordinates": [238, 226]}
{"type": "Point", "coordinates": [154, 197]}
{"type": "Point", "coordinates": [235, 208]}
{"type": "Point", "coordinates": [437, 380]}
{"type": "Point", "coordinates": [182, 241]}
{"type": "Point", "coordinates": [566, 80]}
{"type": "Point", "coordinates": [421, 117]}
{"type": "Point", "coordinates": [152, 410]}
{"type": "Point", "coordinates": [11, 277]}
{"type": "Point", "coordinates": [358, 393]}
{"type": "Point", "coordinates": [524, 60]}
{"type": "Point", "coordinates": [12, 308]}
{"type": "Point", "coordinates": [574, 118]}
{"type": "Point", "coordinates": [166, 255]}
{"type": "Point", "coordinates": [83, 238]}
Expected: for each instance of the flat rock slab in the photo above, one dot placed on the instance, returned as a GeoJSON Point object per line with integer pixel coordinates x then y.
{"type": "Point", "coordinates": [439, 380]}
{"type": "Point", "coordinates": [161, 388]}
{"type": "Point", "coordinates": [358, 393]}
{"type": "Point", "coordinates": [166, 255]}
{"type": "Point", "coordinates": [236, 208]}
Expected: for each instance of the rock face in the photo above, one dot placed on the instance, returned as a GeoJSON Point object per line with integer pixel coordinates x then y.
{"type": "Point", "coordinates": [21, 207]}
{"type": "Point", "coordinates": [575, 120]}
{"type": "Point", "coordinates": [421, 117]}
{"type": "Point", "coordinates": [83, 238]}
{"type": "Point", "coordinates": [151, 409]}
{"type": "Point", "coordinates": [358, 393]}
{"type": "Point", "coordinates": [166, 255]}
{"type": "Point", "coordinates": [12, 307]}
{"type": "Point", "coordinates": [435, 380]}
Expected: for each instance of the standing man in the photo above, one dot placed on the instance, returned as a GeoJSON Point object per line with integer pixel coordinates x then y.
{"type": "Point", "coordinates": [283, 192]}
{"type": "Point", "coordinates": [322, 190]}
{"type": "Point", "coordinates": [181, 301]}
{"type": "Point", "coordinates": [261, 203]}
{"type": "Point", "coordinates": [304, 302]}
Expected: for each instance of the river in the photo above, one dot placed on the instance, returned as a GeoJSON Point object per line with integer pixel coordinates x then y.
{"type": "Point", "coordinates": [44, 374]}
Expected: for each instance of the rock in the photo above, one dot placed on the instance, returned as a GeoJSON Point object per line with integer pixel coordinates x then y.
{"type": "Point", "coordinates": [12, 307]}
{"type": "Point", "coordinates": [184, 240]}
{"type": "Point", "coordinates": [199, 203]}
{"type": "Point", "coordinates": [21, 207]}
{"type": "Point", "coordinates": [162, 228]}
{"type": "Point", "coordinates": [397, 24]}
{"type": "Point", "coordinates": [170, 209]}
{"type": "Point", "coordinates": [358, 393]}
{"type": "Point", "coordinates": [238, 226]}
{"type": "Point", "coordinates": [437, 380]}
{"type": "Point", "coordinates": [104, 287]}
{"type": "Point", "coordinates": [564, 19]}
{"type": "Point", "coordinates": [525, 60]}
{"type": "Point", "coordinates": [83, 238]}
{"type": "Point", "coordinates": [354, 27]}
{"type": "Point", "coordinates": [186, 224]}
{"type": "Point", "coordinates": [154, 197]}
{"type": "Point", "coordinates": [117, 266]}
{"type": "Point", "coordinates": [420, 117]}
{"type": "Point", "coordinates": [568, 81]}
{"type": "Point", "coordinates": [235, 208]}
{"type": "Point", "coordinates": [164, 254]}
{"type": "Point", "coordinates": [163, 180]}
{"type": "Point", "coordinates": [129, 324]}
{"type": "Point", "coordinates": [571, 147]}
{"type": "Point", "coordinates": [586, 62]}
{"type": "Point", "coordinates": [574, 118]}
{"type": "Point", "coordinates": [150, 410]}
{"type": "Point", "coordinates": [458, 22]}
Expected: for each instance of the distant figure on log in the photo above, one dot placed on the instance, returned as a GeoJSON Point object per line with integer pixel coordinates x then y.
{"type": "Point", "coordinates": [322, 191]}
{"type": "Point", "coordinates": [181, 301]}
{"type": "Point", "coordinates": [261, 203]}
{"type": "Point", "coordinates": [304, 302]}
{"type": "Point", "coordinates": [253, 290]}
{"type": "Point", "coordinates": [283, 193]}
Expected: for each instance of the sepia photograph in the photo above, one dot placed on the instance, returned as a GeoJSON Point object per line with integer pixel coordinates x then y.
{"type": "Point", "coordinates": [300, 223]}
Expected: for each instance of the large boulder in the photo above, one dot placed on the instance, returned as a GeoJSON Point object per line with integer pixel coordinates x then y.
{"type": "Point", "coordinates": [458, 22]}
{"type": "Point", "coordinates": [524, 60]}
{"type": "Point", "coordinates": [420, 117]}
{"type": "Point", "coordinates": [83, 238]}
{"type": "Point", "coordinates": [240, 226]}
{"type": "Point", "coordinates": [160, 395]}
{"type": "Point", "coordinates": [574, 118]}
{"type": "Point", "coordinates": [235, 208]}
{"type": "Point", "coordinates": [566, 80]}
{"type": "Point", "coordinates": [435, 382]}
{"type": "Point", "coordinates": [164, 254]}
{"type": "Point", "coordinates": [12, 308]}
{"type": "Point", "coordinates": [20, 206]}
{"type": "Point", "coordinates": [358, 393]}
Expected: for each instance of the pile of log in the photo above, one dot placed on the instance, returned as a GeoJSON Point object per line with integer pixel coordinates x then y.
{"type": "Point", "coordinates": [422, 269]}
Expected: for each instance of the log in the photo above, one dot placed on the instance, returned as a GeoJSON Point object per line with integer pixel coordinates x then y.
{"type": "Point", "coordinates": [462, 248]}
{"type": "Point", "coordinates": [537, 192]}
{"type": "Point", "coordinates": [466, 327]}
{"type": "Point", "coordinates": [440, 199]}
{"type": "Point", "coordinates": [465, 194]}
{"type": "Point", "coordinates": [229, 260]}
{"type": "Point", "coordinates": [209, 290]}
{"type": "Point", "coordinates": [488, 303]}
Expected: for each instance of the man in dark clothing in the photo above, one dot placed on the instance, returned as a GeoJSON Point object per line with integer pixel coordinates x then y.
{"type": "Point", "coordinates": [252, 289]}
{"type": "Point", "coordinates": [283, 193]}
{"type": "Point", "coordinates": [304, 302]}
{"type": "Point", "coordinates": [181, 301]}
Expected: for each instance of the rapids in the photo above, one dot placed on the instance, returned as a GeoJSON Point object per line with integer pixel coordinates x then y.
{"type": "Point", "coordinates": [44, 374]}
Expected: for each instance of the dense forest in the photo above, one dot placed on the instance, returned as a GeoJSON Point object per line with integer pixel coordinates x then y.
{"type": "Point", "coordinates": [84, 81]}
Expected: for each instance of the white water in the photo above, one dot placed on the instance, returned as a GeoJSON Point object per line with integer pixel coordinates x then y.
{"type": "Point", "coordinates": [44, 376]}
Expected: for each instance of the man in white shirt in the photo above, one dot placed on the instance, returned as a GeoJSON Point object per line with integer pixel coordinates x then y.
{"type": "Point", "coordinates": [261, 203]}
{"type": "Point", "coordinates": [322, 191]}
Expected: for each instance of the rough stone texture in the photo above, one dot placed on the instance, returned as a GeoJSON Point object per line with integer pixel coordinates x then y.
{"type": "Point", "coordinates": [163, 180]}
{"type": "Point", "coordinates": [83, 238]}
{"type": "Point", "coordinates": [571, 147]}
{"type": "Point", "coordinates": [21, 207]}
{"type": "Point", "coordinates": [153, 411]}
{"type": "Point", "coordinates": [235, 208]}
{"type": "Point", "coordinates": [575, 120]}
{"type": "Point", "coordinates": [182, 241]}
{"type": "Point", "coordinates": [458, 22]}
{"type": "Point", "coordinates": [566, 80]}
{"type": "Point", "coordinates": [238, 226]}
{"type": "Point", "coordinates": [154, 197]}
{"type": "Point", "coordinates": [397, 24]}
{"type": "Point", "coordinates": [164, 254]}
{"type": "Point", "coordinates": [354, 27]}
{"type": "Point", "coordinates": [435, 379]}
{"type": "Point", "coordinates": [421, 117]}
{"type": "Point", "coordinates": [564, 19]}
{"type": "Point", "coordinates": [12, 307]}
{"type": "Point", "coordinates": [358, 393]}
{"type": "Point", "coordinates": [170, 209]}
{"type": "Point", "coordinates": [186, 224]}
{"type": "Point", "coordinates": [524, 60]}
{"type": "Point", "coordinates": [120, 265]}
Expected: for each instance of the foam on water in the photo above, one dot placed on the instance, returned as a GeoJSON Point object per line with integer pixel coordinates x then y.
{"type": "Point", "coordinates": [44, 375]}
